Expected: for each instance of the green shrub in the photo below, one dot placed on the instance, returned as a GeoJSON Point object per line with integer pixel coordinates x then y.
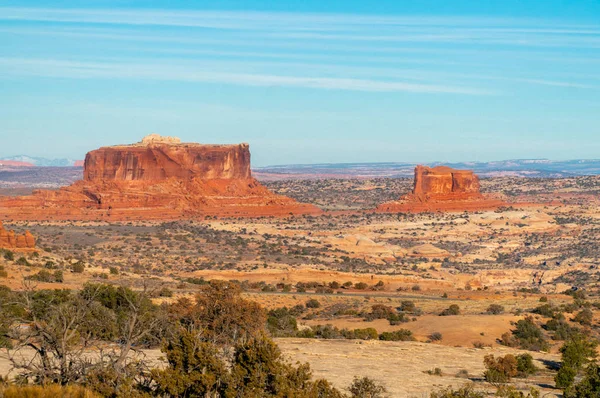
{"type": "Point", "coordinates": [584, 317]}
{"type": "Point", "coordinates": [281, 323]}
{"type": "Point", "coordinates": [42, 276]}
{"type": "Point", "coordinates": [78, 267]}
{"type": "Point", "coordinates": [435, 372]}
{"type": "Point", "coordinates": [467, 391]}
{"type": "Point", "coordinates": [546, 310]}
{"type": "Point", "coordinates": [8, 255]}
{"type": "Point", "coordinates": [313, 303]}
{"type": "Point", "coordinates": [362, 334]}
{"type": "Point", "coordinates": [525, 366]}
{"type": "Point", "coordinates": [512, 392]}
{"type": "Point", "coordinates": [58, 276]}
{"type": "Point", "coordinates": [500, 370]}
{"type": "Point", "coordinates": [527, 335]}
{"type": "Point", "coordinates": [495, 309]}
{"type": "Point", "coordinates": [408, 306]}
{"type": "Point", "coordinates": [366, 388]}
{"type": "Point", "coordinates": [334, 285]}
{"type": "Point", "coordinates": [562, 330]}
{"type": "Point", "coordinates": [23, 261]}
{"type": "Point", "coordinates": [380, 311]}
{"type": "Point", "coordinates": [452, 310]}
{"type": "Point", "coordinates": [588, 386]}
{"type": "Point", "coordinates": [397, 335]}
{"type": "Point", "coordinates": [576, 352]}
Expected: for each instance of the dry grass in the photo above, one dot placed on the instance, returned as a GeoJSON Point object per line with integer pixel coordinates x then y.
{"type": "Point", "coordinates": [400, 366]}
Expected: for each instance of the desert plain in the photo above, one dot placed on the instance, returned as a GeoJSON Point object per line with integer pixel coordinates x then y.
{"type": "Point", "coordinates": [350, 267]}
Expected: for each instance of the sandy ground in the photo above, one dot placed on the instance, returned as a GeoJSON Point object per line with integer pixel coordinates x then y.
{"type": "Point", "coordinates": [461, 330]}
{"type": "Point", "coordinates": [400, 366]}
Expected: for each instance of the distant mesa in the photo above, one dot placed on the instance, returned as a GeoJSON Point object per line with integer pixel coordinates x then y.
{"type": "Point", "coordinates": [28, 161]}
{"type": "Point", "coordinates": [157, 158]}
{"type": "Point", "coordinates": [442, 188]}
{"type": "Point", "coordinates": [158, 178]}
{"type": "Point", "coordinates": [10, 240]}
{"type": "Point", "coordinates": [14, 163]}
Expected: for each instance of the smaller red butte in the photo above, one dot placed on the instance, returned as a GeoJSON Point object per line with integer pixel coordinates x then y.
{"type": "Point", "coordinates": [442, 188]}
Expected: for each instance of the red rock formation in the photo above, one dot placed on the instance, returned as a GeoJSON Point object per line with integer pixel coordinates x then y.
{"type": "Point", "coordinates": [159, 161]}
{"type": "Point", "coordinates": [156, 179]}
{"type": "Point", "coordinates": [442, 189]}
{"type": "Point", "coordinates": [10, 240]}
{"type": "Point", "coordinates": [445, 183]}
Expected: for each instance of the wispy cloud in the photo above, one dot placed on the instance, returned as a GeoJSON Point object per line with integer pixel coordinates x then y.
{"type": "Point", "coordinates": [235, 20]}
{"type": "Point", "coordinates": [417, 54]}
{"type": "Point", "coordinates": [518, 32]}
{"type": "Point", "coordinates": [555, 83]}
{"type": "Point", "coordinates": [83, 70]}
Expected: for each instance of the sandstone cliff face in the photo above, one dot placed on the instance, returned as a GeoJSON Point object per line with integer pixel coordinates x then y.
{"type": "Point", "coordinates": [10, 240]}
{"type": "Point", "coordinates": [158, 179]}
{"type": "Point", "coordinates": [442, 189]}
{"type": "Point", "coordinates": [445, 183]}
{"type": "Point", "coordinates": [159, 161]}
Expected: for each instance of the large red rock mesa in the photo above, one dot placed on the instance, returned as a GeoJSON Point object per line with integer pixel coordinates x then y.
{"type": "Point", "coordinates": [10, 240]}
{"type": "Point", "coordinates": [442, 188]}
{"type": "Point", "coordinates": [159, 178]}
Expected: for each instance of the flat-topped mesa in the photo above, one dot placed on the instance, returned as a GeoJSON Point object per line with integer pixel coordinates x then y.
{"type": "Point", "coordinates": [159, 178]}
{"type": "Point", "coordinates": [442, 188]}
{"type": "Point", "coordinates": [158, 158]}
{"type": "Point", "coordinates": [10, 240]}
{"type": "Point", "coordinates": [445, 183]}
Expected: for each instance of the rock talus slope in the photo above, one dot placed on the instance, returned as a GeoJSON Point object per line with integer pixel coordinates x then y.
{"type": "Point", "coordinates": [155, 179]}
{"type": "Point", "coordinates": [442, 189]}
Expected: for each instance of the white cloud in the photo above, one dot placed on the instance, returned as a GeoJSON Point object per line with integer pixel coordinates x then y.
{"type": "Point", "coordinates": [195, 73]}
{"type": "Point", "coordinates": [236, 20]}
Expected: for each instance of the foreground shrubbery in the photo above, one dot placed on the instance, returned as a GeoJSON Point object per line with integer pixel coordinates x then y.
{"type": "Point", "coordinates": [526, 335]}
{"type": "Point", "coordinates": [577, 352]}
{"type": "Point", "coordinates": [215, 346]}
{"type": "Point", "coordinates": [501, 369]}
{"type": "Point", "coordinates": [469, 391]}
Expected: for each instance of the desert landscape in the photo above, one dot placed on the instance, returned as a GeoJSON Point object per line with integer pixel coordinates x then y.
{"type": "Point", "coordinates": [299, 199]}
{"type": "Point", "coordinates": [415, 291]}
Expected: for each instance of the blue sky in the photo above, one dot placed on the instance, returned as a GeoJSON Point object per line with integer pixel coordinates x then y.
{"type": "Point", "coordinates": [305, 81]}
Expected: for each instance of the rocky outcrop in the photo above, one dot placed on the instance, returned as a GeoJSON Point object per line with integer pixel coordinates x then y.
{"type": "Point", "coordinates": [442, 189]}
{"type": "Point", "coordinates": [10, 240]}
{"type": "Point", "coordinates": [158, 179]}
{"type": "Point", "coordinates": [445, 183]}
{"type": "Point", "coordinates": [154, 160]}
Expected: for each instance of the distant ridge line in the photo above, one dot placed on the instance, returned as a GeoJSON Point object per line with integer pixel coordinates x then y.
{"type": "Point", "coordinates": [537, 168]}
